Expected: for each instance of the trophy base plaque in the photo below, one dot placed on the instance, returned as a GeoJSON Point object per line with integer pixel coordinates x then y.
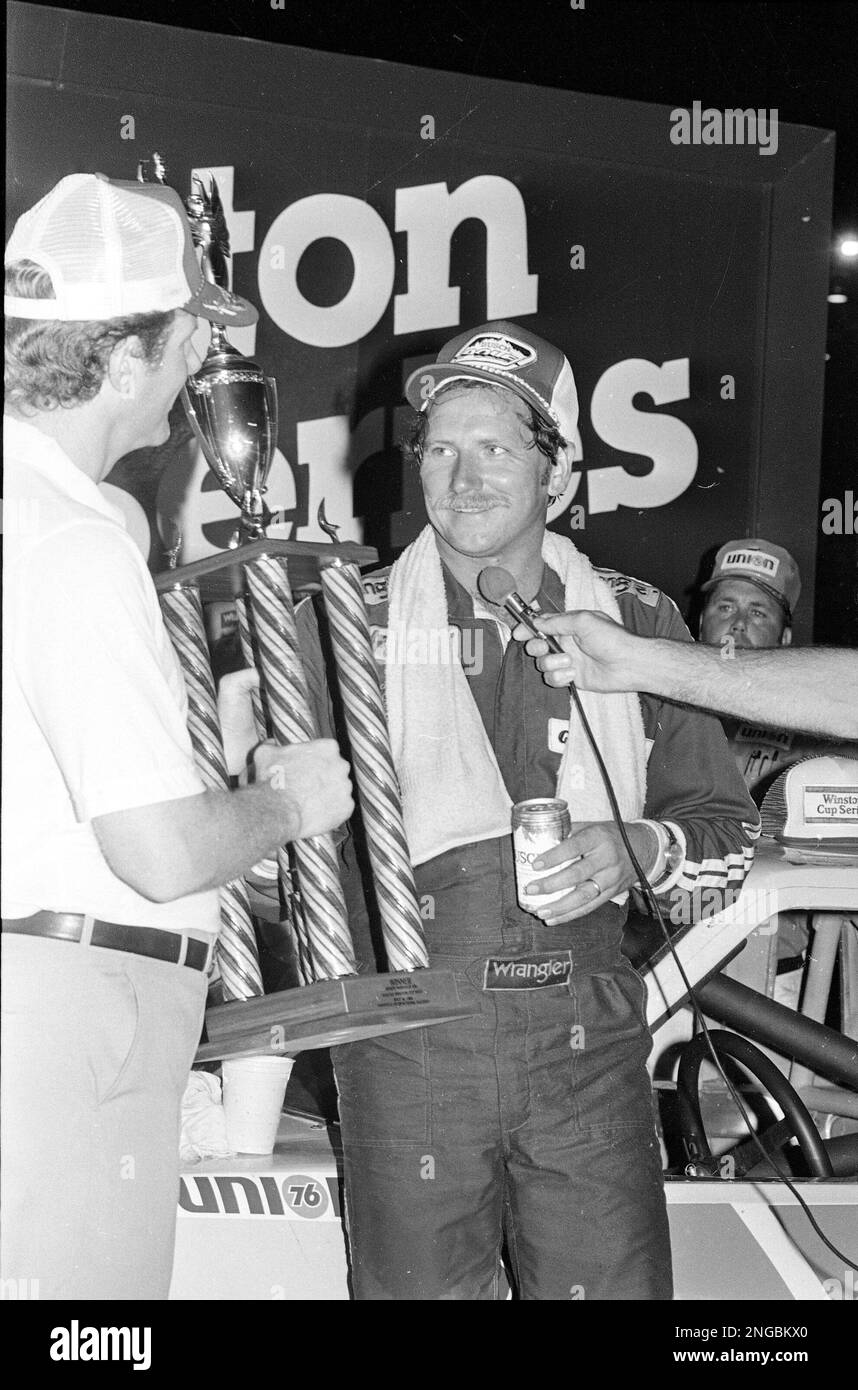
{"type": "Point", "coordinates": [329, 1013]}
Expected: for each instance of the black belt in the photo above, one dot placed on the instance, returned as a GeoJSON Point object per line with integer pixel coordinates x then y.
{"type": "Point", "coordinates": [177, 947]}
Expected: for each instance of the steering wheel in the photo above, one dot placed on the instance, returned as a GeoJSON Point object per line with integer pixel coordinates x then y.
{"type": "Point", "coordinates": [797, 1119]}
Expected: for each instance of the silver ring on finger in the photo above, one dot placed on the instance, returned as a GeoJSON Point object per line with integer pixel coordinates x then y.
{"type": "Point", "coordinates": [595, 885]}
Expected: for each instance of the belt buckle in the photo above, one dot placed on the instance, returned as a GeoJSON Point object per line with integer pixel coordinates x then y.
{"type": "Point", "coordinates": [89, 920]}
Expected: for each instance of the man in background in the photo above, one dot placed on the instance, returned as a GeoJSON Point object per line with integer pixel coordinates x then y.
{"type": "Point", "coordinates": [751, 596]}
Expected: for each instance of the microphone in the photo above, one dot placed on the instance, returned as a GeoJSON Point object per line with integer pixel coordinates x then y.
{"type": "Point", "coordinates": [498, 586]}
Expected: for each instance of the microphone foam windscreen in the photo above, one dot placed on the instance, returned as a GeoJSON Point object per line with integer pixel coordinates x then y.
{"type": "Point", "coordinates": [495, 584]}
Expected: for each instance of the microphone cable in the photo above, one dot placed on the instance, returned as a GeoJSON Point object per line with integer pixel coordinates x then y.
{"type": "Point", "coordinates": [499, 582]}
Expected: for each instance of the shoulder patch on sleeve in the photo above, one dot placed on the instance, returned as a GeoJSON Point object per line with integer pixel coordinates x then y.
{"type": "Point", "coordinates": [375, 586]}
{"type": "Point", "coordinates": [378, 637]}
{"type": "Point", "coordinates": [625, 584]}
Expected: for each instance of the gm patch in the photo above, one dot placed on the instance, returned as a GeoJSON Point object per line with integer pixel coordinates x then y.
{"type": "Point", "coordinates": [558, 733]}
{"type": "Point", "coordinates": [528, 972]}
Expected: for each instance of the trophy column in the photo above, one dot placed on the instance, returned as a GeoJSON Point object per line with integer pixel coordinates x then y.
{"type": "Point", "coordinates": [322, 901]}
{"type": "Point", "coordinates": [236, 950]}
{"type": "Point", "coordinates": [372, 760]}
{"type": "Point", "coordinates": [281, 868]}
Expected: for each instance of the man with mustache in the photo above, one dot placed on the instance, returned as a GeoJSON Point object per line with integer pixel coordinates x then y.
{"type": "Point", "coordinates": [530, 1124]}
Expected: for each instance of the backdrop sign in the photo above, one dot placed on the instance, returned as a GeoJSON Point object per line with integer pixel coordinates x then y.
{"type": "Point", "coordinates": [376, 210]}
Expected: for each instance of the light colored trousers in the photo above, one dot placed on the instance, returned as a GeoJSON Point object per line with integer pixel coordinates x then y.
{"type": "Point", "coordinates": [96, 1050]}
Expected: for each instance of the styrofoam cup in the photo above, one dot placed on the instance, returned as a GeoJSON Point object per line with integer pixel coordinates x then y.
{"type": "Point", "coordinates": [253, 1091]}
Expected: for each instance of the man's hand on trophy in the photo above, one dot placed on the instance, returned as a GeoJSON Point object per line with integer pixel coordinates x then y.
{"type": "Point", "coordinates": [313, 777]}
{"type": "Point", "coordinates": [235, 711]}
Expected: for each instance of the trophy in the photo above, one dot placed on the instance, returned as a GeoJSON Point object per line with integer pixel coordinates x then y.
{"type": "Point", "coordinates": [232, 407]}
{"type": "Point", "coordinates": [230, 402]}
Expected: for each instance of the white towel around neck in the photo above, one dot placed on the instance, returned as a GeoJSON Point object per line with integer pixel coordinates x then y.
{"type": "Point", "coordinates": [453, 792]}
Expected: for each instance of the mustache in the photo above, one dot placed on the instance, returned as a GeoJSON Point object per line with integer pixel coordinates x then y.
{"type": "Point", "coordinates": [470, 502]}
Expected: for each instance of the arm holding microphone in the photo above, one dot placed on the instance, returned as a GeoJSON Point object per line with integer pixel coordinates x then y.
{"type": "Point", "coordinates": [809, 689]}
{"type": "Point", "coordinates": [700, 824]}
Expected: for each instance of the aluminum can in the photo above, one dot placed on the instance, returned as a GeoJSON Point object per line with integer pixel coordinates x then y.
{"type": "Point", "coordinates": [537, 825]}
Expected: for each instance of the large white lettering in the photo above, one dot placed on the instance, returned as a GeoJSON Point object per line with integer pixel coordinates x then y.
{"type": "Point", "coordinates": [357, 226]}
{"type": "Point", "coordinates": [667, 441]}
{"type": "Point", "coordinates": [430, 214]}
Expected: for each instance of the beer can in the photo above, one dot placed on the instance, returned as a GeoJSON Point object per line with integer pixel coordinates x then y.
{"type": "Point", "coordinates": [537, 825]}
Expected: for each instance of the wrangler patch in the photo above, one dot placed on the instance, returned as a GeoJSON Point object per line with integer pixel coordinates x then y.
{"type": "Point", "coordinates": [528, 972]}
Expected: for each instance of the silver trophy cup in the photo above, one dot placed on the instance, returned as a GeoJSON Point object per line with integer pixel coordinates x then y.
{"type": "Point", "coordinates": [232, 406]}
{"type": "Point", "coordinates": [231, 403]}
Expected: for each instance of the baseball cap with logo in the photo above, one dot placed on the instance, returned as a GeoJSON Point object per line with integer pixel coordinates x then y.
{"type": "Point", "coordinates": [504, 354]}
{"type": "Point", "coordinates": [768, 566]}
{"type": "Point", "coordinates": [114, 248]}
{"type": "Point", "coordinates": [812, 809]}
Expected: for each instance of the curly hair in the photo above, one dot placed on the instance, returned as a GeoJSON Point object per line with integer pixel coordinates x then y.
{"type": "Point", "coordinates": [546, 438]}
{"type": "Point", "coordinates": [50, 363]}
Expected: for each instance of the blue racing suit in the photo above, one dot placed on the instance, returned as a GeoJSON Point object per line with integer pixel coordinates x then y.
{"type": "Point", "coordinates": [530, 1124]}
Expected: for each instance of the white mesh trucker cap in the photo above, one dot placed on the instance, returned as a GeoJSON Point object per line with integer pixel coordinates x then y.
{"type": "Point", "coordinates": [114, 248]}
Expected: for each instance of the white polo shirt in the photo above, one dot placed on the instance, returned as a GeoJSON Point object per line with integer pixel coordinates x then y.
{"type": "Point", "coordinates": [94, 703]}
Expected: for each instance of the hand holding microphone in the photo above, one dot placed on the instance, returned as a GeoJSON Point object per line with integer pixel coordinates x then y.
{"type": "Point", "coordinates": [582, 648]}
{"type": "Point", "coordinates": [587, 648]}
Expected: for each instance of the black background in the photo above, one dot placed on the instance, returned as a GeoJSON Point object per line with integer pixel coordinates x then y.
{"type": "Point", "coordinates": [798, 57]}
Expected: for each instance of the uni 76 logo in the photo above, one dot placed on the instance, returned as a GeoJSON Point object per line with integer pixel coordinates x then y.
{"type": "Point", "coordinates": [305, 1196]}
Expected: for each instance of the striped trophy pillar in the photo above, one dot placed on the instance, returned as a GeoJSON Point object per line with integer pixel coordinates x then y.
{"type": "Point", "coordinates": [282, 867]}
{"type": "Point", "coordinates": [322, 900]}
{"type": "Point", "coordinates": [372, 762]}
{"type": "Point", "coordinates": [236, 952]}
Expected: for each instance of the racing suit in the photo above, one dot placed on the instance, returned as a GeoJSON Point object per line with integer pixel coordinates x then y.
{"type": "Point", "coordinates": [527, 1128]}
